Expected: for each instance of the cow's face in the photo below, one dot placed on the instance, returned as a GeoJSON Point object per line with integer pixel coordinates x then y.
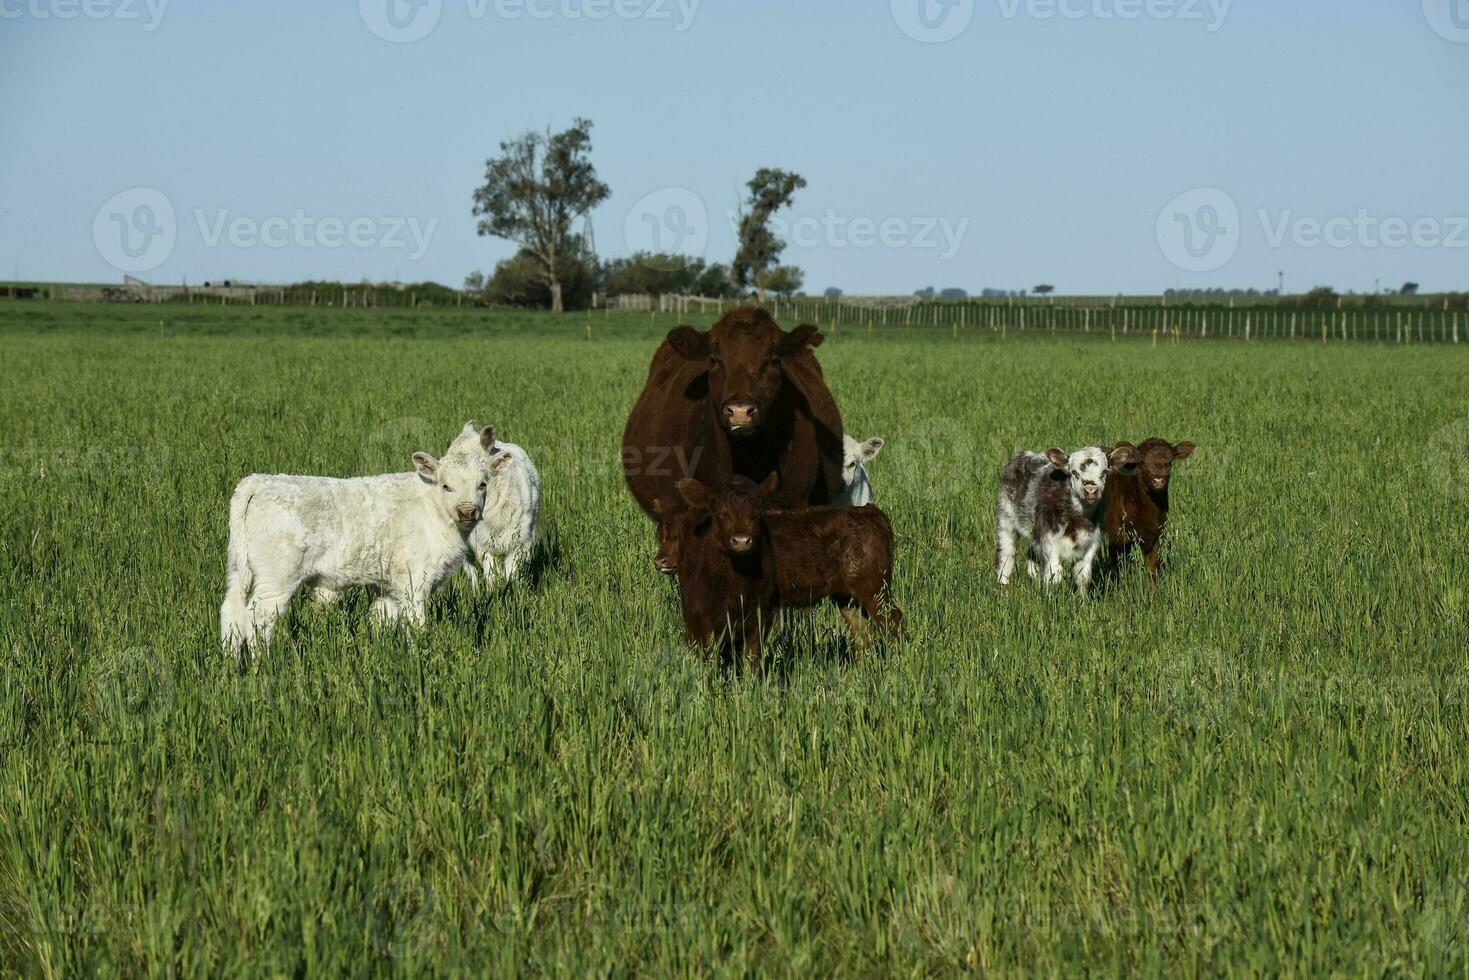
{"type": "Point", "coordinates": [670, 537]}
{"type": "Point", "coordinates": [855, 457]}
{"type": "Point", "coordinates": [461, 477]}
{"type": "Point", "coordinates": [1087, 469]}
{"type": "Point", "coordinates": [735, 510]}
{"type": "Point", "coordinates": [1155, 461]}
{"type": "Point", "coordinates": [745, 353]}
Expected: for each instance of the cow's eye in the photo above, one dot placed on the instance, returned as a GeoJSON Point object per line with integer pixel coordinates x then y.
{"type": "Point", "coordinates": [446, 488]}
{"type": "Point", "coordinates": [483, 485]}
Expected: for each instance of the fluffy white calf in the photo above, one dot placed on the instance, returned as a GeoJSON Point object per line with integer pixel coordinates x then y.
{"type": "Point", "coordinates": [856, 488]}
{"type": "Point", "coordinates": [506, 535]}
{"type": "Point", "coordinates": [1054, 501]}
{"type": "Point", "coordinates": [404, 533]}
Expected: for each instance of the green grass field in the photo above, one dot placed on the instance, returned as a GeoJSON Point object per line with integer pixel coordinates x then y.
{"type": "Point", "coordinates": [1258, 768]}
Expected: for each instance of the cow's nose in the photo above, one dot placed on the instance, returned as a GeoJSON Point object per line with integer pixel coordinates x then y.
{"type": "Point", "coordinates": [469, 513]}
{"type": "Point", "coordinates": [741, 413]}
{"type": "Point", "coordinates": [741, 542]}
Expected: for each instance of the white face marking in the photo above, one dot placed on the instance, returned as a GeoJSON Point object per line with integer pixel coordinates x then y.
{"type": "Point", "coordinates": [1088, 471]}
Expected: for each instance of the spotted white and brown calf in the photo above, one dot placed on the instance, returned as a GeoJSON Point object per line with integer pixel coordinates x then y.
{"type": "Point", "coordinates": [1054, 502]}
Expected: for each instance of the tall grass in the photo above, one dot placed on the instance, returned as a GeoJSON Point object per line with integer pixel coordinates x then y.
{"type": "Point", "coordinates": [1257, 767]}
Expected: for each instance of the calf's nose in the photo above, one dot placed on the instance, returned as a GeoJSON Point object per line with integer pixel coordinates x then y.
{"type": "Point", "coordinates": [468, 513]}
{"type": "Point", "coordinates": [741, 542]}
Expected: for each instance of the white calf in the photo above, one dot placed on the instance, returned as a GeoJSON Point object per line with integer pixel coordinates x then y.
{"type": "Point", "coordinates": [1054, 502]}
{"type": "Point", "coordinates": [404, 533]}
{"type": "Point", "coordinates": [506, 535]}
{"type": "Point", "coordinates": [856, 488]}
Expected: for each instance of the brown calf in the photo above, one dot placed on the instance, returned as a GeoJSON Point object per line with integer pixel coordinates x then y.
{"type": "Point", "coordinates": [841, 554]}
{"type": "Point", "coordinates": [1135, 505]}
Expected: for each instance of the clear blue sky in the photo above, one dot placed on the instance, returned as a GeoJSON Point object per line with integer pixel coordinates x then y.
{"type": "Point", "coordinates": [1049, 146]}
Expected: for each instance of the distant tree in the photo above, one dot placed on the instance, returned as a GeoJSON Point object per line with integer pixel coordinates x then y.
{"type": "Point", "coordinates": [474, 282]}
{"type": "Point", "coordinates": [1044, 289]}
{"type": "Point", "coordinates": [532, 194]}
{"type": "Point", "coordinates": [760, 250]}
{"type": "Point", "coordinates": [1322, 297]}
{"type": "Point", "coordinates": [715, 282]}
{"type": "Point", "coordinates": [520, 281]}
{"type": "Point", "coordinates": [1410, 289]}
{"type": "Point", "coordinates": [783, 280]}
{"type": "Point", "coordinates": [954, 292]}
{"type": "Point", "coordinates": [832, 293]}
{"type": "Point", "coordinates": [925, 293]}
{"type": "Point", "coordinates": [652, 273]}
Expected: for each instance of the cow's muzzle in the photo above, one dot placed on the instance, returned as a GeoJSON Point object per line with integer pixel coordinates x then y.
{"type": "Point", "coordinates": [741, 416]}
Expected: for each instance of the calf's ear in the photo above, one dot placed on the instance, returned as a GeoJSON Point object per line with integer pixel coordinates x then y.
{"type": "Point", "coordinates": [487, 437]}
{"type": "Point", "coordinates": [426, 465]}
{"type": "Point", "coordinates": [694, 493]}
{"type": "Point", "coordinates": [1123, 455]}
{"type": "Point", "coordinates": [798, 340]}
{"type": "Point", "coordinates": [499, 461]}
{"type": "Point", "coordinates": [689, 343]}
{"type": "Point", "coordinates": [658, 506]}
{"type": "Point", "coordinates": [1183, 450]}
{"type": "Point", "coordinates": [771, 484]}
{"type": "Point", "coordinates": [1057, 458]}
{"type": "Point", "coordinates": [871, 448]}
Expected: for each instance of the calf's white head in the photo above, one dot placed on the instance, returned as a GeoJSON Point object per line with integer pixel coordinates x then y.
{"type": "Point", "coordinates": [1087, 469]}
{"type": "Point", "coordinates": [460, 475]}
{"type": "Point", "coordinates": [855, 455]}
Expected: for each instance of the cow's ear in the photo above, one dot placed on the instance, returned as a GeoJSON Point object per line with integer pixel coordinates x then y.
{"type": "Point", "coordinates": [1183, 450]}
{"type": "Point", "coordinates": [499, 461]}
{"type": "Point", "coordinates": [694, 493]}
{"type": "Point", "coordinates": [871, 448]}
{"type": "Point", "coordinates": [426, 465]}
{"type": "Point", "coordinates": [658, 506]}
{"type": "Point", "coordinates": [487, 437]}
{"type": "Point", "coordinates": [689, 343]}
{"type": "Point", "coordinates": [771, 484]}
{"type": "Point", "coordinates": [1057, 458]}
{"type": "Point", "coordinates": [1122, 455]}
{"type": "Point", "coordinates": [805, 336]}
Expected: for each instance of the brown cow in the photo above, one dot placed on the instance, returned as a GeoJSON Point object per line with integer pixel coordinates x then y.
{"type": "Point", "coordinates": [1135, 504]}
{"type": "Point", "coordinates": [745, 399]}
{"type": "Point", "coordinates": [843, 554]}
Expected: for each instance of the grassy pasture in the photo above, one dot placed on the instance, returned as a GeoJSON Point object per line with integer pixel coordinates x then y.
{"type": "Point", "coordinates": [1257, 768]}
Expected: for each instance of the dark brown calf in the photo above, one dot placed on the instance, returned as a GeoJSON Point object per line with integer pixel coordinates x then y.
{"type": "Point", "coordinates": [1135, 504]}
{"type": "Point", "coordinates": [819, 553]}
{"type": "Point", "coordinates": [726, 567]}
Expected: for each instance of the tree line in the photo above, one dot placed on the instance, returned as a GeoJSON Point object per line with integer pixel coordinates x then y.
{"type": "Point", "coordinates": [541, 184]}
